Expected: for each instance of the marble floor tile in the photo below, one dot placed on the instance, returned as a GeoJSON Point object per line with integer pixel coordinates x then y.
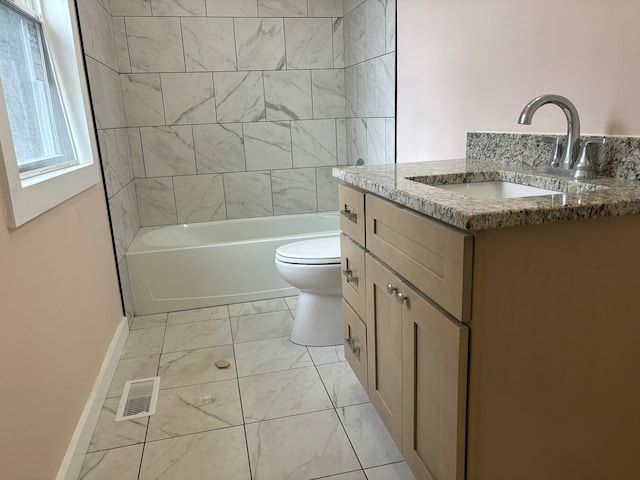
{"type": "Point", "coordinates": [260, 306]}
{"type": "Point", "coordinates": [342, 384]}
{"type": "Point", "coordinates": [394, 471]}
{"type": "Point", "coordinates": [261, 326]}
{"type": "Point", "coordinates": [144, 342]}
{"type": "Point", "coordinates": [198, 315]}
{"type": "Point", "coordinates": [192, 457]}
{"type": "Point", "coordinates": [303, 446]}
{"type": "Point", "coordinates": [149, 321]}
{"type": "Point", "coordinates": [192, 367]}
{"type": "Point", "coordinates": [195, 409]}
{"type": "Point", "coordinates": [357, 475]}
{"type": "Point", "coordinates": [323, 355]}
{"type": "Point", "coordinates": [272, 355]}
{"type": "Point", "coordinates": [292, 302]}
{"type": "Point", "coordinates": [132, 369]}
{"type": "Point", "coordinates": [280, 394]}
{"type": "Point", "coordinates": [369, 437]}
{"type": "Point", "coordinates": [111, 434]}
{"type": "Point", "coordinates": [189, 336]}
{"type": "Point", "coordinates": [116, 464]}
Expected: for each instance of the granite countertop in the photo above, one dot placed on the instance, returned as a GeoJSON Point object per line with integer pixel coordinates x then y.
{"type": "Point", "coordinates": [601, 197]}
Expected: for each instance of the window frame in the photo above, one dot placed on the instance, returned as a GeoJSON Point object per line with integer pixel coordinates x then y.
{"type": "Point", "coordinates": [26, 198]}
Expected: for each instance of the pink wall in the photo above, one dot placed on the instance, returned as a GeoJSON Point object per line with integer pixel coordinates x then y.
{"type": "Point", "coordinates": [469, 65]}
{"type": "Point", "coordinates": [59, 309]}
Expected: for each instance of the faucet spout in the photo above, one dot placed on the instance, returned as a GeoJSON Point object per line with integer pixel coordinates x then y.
{"type": "Point", "coordinates": [572, 145]}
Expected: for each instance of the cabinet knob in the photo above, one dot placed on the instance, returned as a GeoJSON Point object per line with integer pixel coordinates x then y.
{"type": "Point", "coordinates": [391, 289]}
{"type": "Point", "coordinates": [401, 297]}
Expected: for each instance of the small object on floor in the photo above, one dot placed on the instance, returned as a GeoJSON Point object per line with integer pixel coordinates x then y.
{"type": "Point", "coordinates": [222, 364]}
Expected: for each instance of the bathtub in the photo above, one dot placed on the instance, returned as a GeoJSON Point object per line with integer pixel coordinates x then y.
{"type": "Point", "coordinates": [180, 267]}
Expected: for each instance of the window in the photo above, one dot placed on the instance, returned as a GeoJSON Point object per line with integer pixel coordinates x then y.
{"type": "Point", "coordinates": [45, 145]}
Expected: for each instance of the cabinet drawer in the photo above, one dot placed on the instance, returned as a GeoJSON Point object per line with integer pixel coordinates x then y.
{"type": "Point", "coordinates": [355, 344]}
{"type": "Point", "coordinates": [432, 256]}
{"type": "Point", "coordinates": [353, 275]}
{"type": "Point", "coordinates": [352, 220]}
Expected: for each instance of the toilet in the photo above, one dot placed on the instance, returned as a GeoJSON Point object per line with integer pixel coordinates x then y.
{"type": "Point", "coordinates": [313, 267]}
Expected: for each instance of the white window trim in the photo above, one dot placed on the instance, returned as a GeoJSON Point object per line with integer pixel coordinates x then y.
{"type": "Point", "coordinates": [28, 198]}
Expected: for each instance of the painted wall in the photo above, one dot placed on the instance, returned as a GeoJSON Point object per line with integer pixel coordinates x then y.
{"type": "Point", "coordinates": [465, 65]}
{"type": "Point", "coordinates": [59, 309]}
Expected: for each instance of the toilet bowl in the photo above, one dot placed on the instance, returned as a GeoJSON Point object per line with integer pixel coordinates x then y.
{"type": "Point", "coordinates": [313, 267]}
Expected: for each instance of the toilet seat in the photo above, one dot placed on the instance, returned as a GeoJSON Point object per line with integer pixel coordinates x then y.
{"type": "Point", "coordinates": [322, 251]}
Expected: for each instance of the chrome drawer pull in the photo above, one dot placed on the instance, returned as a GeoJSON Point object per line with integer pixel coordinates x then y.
{"type": "Point", "coordinates": [352, 344]}
{"type": "Point", "coordinates": [391, 289]}
{"type": "Point", "coordinates": [353, 216]}
{"type": "Point", "coordinates": [351, 278]}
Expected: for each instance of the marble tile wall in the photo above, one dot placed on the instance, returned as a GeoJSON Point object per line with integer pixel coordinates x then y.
{"type": "Point", "coordinates": [369, 80]}
{"type": "Point", "coordinates": [102, 41]}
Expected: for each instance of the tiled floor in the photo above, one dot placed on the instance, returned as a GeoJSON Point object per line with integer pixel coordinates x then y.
{"type": "Point", "coordinates": [281, 411]}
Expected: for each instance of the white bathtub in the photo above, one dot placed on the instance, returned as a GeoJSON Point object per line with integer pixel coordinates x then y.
{"type": "Point", "coordinates": [180, 267]}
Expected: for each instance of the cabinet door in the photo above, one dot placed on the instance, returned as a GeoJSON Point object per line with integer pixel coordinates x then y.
{"type": "Point", "coordinates": [384, 345]}
{"type": "Point", "coordinates": [435, 385]}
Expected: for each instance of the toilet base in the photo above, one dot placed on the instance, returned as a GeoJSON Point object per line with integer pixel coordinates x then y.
{"type": "Point", "coordinates": [318, 320]}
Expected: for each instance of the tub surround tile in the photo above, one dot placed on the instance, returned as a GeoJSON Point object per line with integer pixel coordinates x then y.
{"type": "Point", "coordinates": [199, 198]}
{"type": "Point", "coordinates": [132, 369]}
{"type": "Point", "coordinates": [168, 151]}
{"type": "Point", "coordinates": [282, 394]}
{"type": "Point", "coordinates": [191, 105]}
{"type": "Point", "coordinates": [207, 46]}
{"type": "Point", "coordinates": [189, 336]}
{"type": "Point", "coordinates": [376, 135]}
{"type": "Point", "coordinates": [294, 191]}
{"type": "Point", "coordinates": [272, 355]}
{"type": "Point", "coordinates": [193, 367]}
{"type": "Point", "coordinates": [127, 299]}
{"type": "Point", "coordinates": [385, 85]}
{"type": "Point", "coordinates": [178, 8]}
{"type": "Point", "coordinates": [259, 306]}
{"type": "Point", "coordinates": [130, 8]}
{"type": "Point", "coordinates": [328, 93]}
{"type": "Point", "coordinates": [326, 8]}
{"type": "Point", "coordinates": [156, 201]}
{"type": "Point", "coordinates": [149, 321]}
{"type": "Point", "coordinates": [341, 132]}
{"type": "Point", "coordinates": [195, 409]}
{"type": "Point", "coordinates": [342, 384]}
{"type": "Point", "coordinates": [356, 41]}
{"type": "Point", "coordinates": [260, 43]}
{"type": "Point", "coordinates": [351, 91]}
{"type": "Point", "coordinates": [282, 8]}
{"type": "Point", "coordinates": [393, 471]}
{"type": "Point", "coordinates": [190, 456]}
{"type": "Point", "coordinates": [357, 140]}
{"type": "Point", "coordinates": [116, 464]}
{"type": "Point", "coordinates": [327, 188]}
{"type": "Point", "coordinates": [106, 95]}
{"type": "Point", "coordinates": [349, 5]}
{"type": "Point", "coordinates": [314, 143]}
{"type": "Point", "coordinates": [375, 17]}
{"type": "Point", "coordinates": [304, 446]}
{"type": "Point", "coordinates": [145, 342]}
{"type": "Point", "coordinates": [288, 95]}
{"type": "Point", "coordinates": [390, 141]}
{"type": "Point", "coordinates": [198, 315]}
{"type": "Point", "coordinates": [309, 43]}
{"type": "Point", "coordinates": [111, 434]}
{"type": "Point", "coordinates": [122, 47]}
{"type": "Point", "coordinates": [248, 194]}
{"type": "Point", "coordinates": [267, 145]}
{"type": "Point", "coordinates": [135, 150]}
{"type": "Point", "coordinates": [97, 33]}
{"type": "Point", "coordinates": [261, 326]}
{"type": "Point", "coordinates": [142, 99]}
{"type": "Point", "coordinates": [125, 220]}
{"type": "Point", "coordinates": [338, 43]}
{"type": "Point", "coordinates": [324, 355]}
{"type": "Point", "coordinates": [369, 437]}
{"type": "Point", "coordinates": [232, 8]}
{"type": "Point", "coordinates": [239, 97]}
{"type": "Point", "coordinates": [219, 148]}
{"type": "Point", "coordinates": [116, 164]}
{"type": "Point", "coordinates": [155, 44]}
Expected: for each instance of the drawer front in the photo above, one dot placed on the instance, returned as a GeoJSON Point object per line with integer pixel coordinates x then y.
{"type": "Point", "coordinates": [432, 256]}
{"type": "Point", "coordinates": [355, 344]}
{"type": "Point", "coordinates": [352, 219]}
{"type": "Point", "coordinates": [353, 275]}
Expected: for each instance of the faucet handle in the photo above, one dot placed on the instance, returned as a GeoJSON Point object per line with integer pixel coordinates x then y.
{"type": "Point", "coordinates": [558, 147]}
{"type": "Point", "coordinates": [584, 168]}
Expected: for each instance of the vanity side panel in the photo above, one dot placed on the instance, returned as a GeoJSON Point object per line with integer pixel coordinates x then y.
{"type": "Point", "coordinates": [555, 352]}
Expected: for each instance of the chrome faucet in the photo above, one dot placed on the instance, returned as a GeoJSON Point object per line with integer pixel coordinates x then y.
{"type": "Point", "coordinates": [570, 155]}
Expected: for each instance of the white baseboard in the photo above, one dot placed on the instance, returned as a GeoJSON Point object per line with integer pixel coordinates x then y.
{"type": "Point", "coordinates": [74, 458]}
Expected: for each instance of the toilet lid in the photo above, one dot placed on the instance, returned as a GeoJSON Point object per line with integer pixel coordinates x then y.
{"type": "Point", "coordinates": [320, 251]}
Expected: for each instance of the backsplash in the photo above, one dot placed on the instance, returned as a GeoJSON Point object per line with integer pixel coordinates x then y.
{"type": "Point", "coordinates": [619, 157]}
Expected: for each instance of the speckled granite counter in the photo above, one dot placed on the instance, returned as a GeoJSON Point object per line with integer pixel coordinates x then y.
{"type": "Point", "coordinates": [601, 197]}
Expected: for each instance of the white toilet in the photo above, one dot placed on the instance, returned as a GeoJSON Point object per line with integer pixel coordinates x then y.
{"type": "Point", "coordinates": [313, 267]}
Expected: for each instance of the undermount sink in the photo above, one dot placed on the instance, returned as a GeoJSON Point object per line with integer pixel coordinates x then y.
{"type": "Point", "coordinates": [496, 190]}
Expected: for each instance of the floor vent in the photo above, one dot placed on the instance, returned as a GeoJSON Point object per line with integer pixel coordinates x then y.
{"type": "Point", "coordinates": [139, 399]}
